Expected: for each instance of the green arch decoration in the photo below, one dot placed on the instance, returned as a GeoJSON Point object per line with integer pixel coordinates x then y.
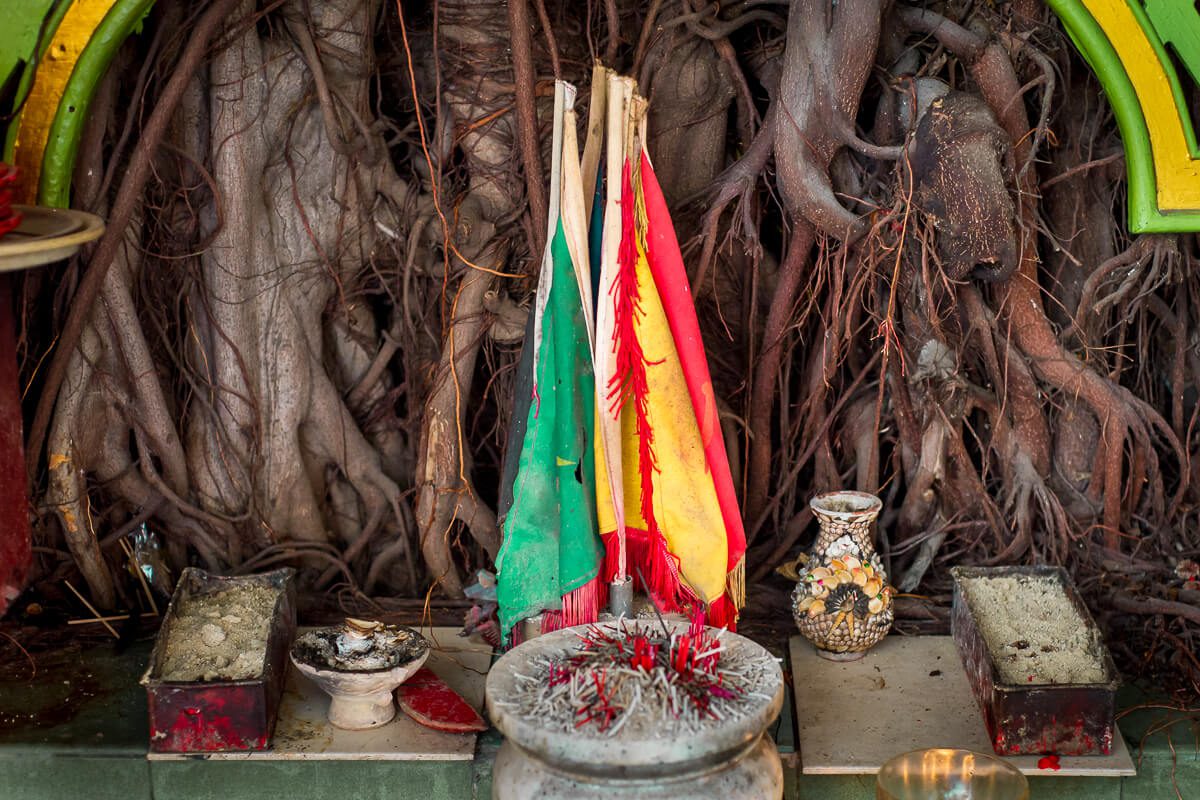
{"type": "Point", "coordinates": [1093, 42]}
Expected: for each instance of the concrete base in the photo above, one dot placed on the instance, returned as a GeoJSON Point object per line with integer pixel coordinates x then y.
{"type": "Point", "coordinates": [303, 732]}
{"type": "Point", "coordinates": [756, 775]}
{"type": "Point", "coordinates": [908, 693]}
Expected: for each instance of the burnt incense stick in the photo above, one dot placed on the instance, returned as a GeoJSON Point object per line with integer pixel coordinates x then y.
{"type": "Point", "coordinates": [92, 609]}
{"type": "Point", "coordinates": [109, 618]}
{"type": "Point", "coordinates": [637, 679]}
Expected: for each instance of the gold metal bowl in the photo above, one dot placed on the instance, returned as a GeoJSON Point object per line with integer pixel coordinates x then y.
{"type": "Point", "coordinates": [46, 235]}
{"type": "Point", "coordinates": [947, 774]}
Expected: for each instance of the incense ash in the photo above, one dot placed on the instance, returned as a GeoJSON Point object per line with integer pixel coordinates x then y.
{"type": "Point", "coordinates": [220, 636]}
{"type": "Point", "coordinates": [644, 680]}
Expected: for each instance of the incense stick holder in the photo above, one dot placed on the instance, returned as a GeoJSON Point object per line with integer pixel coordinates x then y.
{"type": "Point", "coordinates": [647, 757]}
{"type": "Point", "coordinates": [620, 597]}
{"type": "Point", "coordinates": [210, 702]}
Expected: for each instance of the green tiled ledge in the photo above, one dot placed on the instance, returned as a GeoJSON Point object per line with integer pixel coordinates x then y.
{"type": "Point", "coordinates": [1157, 732]}
{"type": "Point", "coordinates": [99, 753]}
{"type": "Point", "coordinates": [99, 750]}
{"type": "Point", "coordinates": [310, 780]}
{"type": "Point", "coordinates": [862, 787]}
{"type": "Point", "coordinates": [57, 776]}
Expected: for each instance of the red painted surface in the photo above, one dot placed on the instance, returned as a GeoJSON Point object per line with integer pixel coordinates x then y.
{"type": "Point", "coordinates": [9, 219]}
{"type": "Point", "coordinates": [209, 719]}
{"type": "Point", "coordinates": [16, 555]}
{"type": "Point", "coordinates": [205, 717]}
{"type": "Point", "coordinates": [427, 699]}
{"type": "Point", "coordinates": [1049, 762]}
{"type": "Point", "coordinates": [1033, 733]}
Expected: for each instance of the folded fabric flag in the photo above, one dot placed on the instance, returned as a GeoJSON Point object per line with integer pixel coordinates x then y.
{"type": "Point", "coordinates": [666, 506]}
{"type": "Point", "coordinates": [9, 218]}
{"type": "Point", "coordinates": [551, 553]}
{"type": "Point", "coordinates": [616, 466]}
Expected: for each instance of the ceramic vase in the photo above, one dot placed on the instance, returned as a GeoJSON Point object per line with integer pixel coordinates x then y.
{"type": "Point", "coordinates": [361, 700]}
{"type": "Point", "coordinates": [842, 602]}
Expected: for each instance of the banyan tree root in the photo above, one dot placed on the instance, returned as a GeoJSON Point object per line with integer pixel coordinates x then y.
{"type": "Point", "coordinates": [265, 417]}
{"type": "Point", "coordinates": [911, 277]}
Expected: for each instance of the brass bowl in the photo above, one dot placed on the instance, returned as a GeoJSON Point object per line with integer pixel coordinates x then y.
{"type": "Point", "coordinates": [947, 774]}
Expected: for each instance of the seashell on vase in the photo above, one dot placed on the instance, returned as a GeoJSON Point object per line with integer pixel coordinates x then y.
{"type": "Point", "coordinates": [842, 602]}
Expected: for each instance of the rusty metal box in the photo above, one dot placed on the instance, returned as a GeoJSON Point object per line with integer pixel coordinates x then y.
{"type": "Point", "coordinates": [220, 715]}
{"type": "Point", "coordinates": [1065, 719]}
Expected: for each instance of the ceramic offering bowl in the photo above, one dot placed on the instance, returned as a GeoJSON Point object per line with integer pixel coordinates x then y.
{"type": "Point", "coordinates": [359, 665]}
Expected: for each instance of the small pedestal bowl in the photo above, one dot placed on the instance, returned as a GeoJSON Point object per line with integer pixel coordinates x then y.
{"type": "Point", "coordinates": [359, 665]}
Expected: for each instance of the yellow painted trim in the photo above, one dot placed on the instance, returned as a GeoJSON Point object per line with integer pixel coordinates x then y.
{"type": "Point", "coordinates": [53, 73]}
{"type": "Point", "coordinates": [1177, 174]}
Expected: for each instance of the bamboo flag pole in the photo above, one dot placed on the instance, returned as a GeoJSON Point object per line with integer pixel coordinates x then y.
{"type": "Point", "coordinates": [621, 91]}
{"type": "Point", "coordinates": [575, 224]}
{"type": "Point", "coordinates": [564, 94]}
{"type": "Point", "coordinates": [589, 164]}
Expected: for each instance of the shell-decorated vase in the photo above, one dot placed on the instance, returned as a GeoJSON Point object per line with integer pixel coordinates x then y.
{"type": "Point", "coordinates": [842, 602]}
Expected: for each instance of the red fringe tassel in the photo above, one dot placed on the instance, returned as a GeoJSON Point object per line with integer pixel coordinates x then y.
{"type": "Point", "coordinates": [654, 568]}
{"type": "Point", "coordinates": [579, 607]}
{"type": "Point", "coordinates": [722, 613]}
{"type": "Point", "coordinates": [629, 377]}
{"type": "Point", "coordinates": [648, 560]}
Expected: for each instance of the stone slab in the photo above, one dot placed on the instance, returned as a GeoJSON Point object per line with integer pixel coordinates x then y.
{"type": "Point", "coordinates": [907, 693]}
{"type": "Point", "coordinates": [303, 732]}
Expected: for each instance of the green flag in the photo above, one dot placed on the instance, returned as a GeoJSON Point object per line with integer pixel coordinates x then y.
{"type": "Point", "coordinates": [551, 553]}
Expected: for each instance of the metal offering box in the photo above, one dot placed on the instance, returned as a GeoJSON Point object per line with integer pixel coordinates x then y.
{"type": "Point", "coordinates": [220, 715]}
{"type": "Point", "coordinates": [1065, 719]}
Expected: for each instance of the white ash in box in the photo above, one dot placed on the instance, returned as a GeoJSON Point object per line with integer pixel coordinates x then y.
{"type": "Point", "coordinates": [220, 636]}
{"type": "Point", "coordinates": [1033, 632]}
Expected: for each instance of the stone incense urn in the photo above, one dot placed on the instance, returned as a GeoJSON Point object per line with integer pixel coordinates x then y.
{"type": "Point", "coordinates": [647, 759]}
{"type": "Point", "coordinates": [359, 665]}
{"type": "Point", "coordinates": [842, 602]}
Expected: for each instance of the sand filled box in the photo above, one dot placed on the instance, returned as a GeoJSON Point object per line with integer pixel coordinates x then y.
{"type": "Point", "coordinates": [217, 669]}
{"type": "Point", "coordinates": [1035, 659]}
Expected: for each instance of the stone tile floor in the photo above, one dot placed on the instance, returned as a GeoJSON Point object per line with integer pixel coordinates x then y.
{"type": "Point", "coordinates": [303, 732]}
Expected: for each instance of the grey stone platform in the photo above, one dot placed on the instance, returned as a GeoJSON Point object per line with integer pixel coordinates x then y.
{"type": "Point", "coordinates": [908, 693]}
{"type": "Point", "coordinates": [303, 732]}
